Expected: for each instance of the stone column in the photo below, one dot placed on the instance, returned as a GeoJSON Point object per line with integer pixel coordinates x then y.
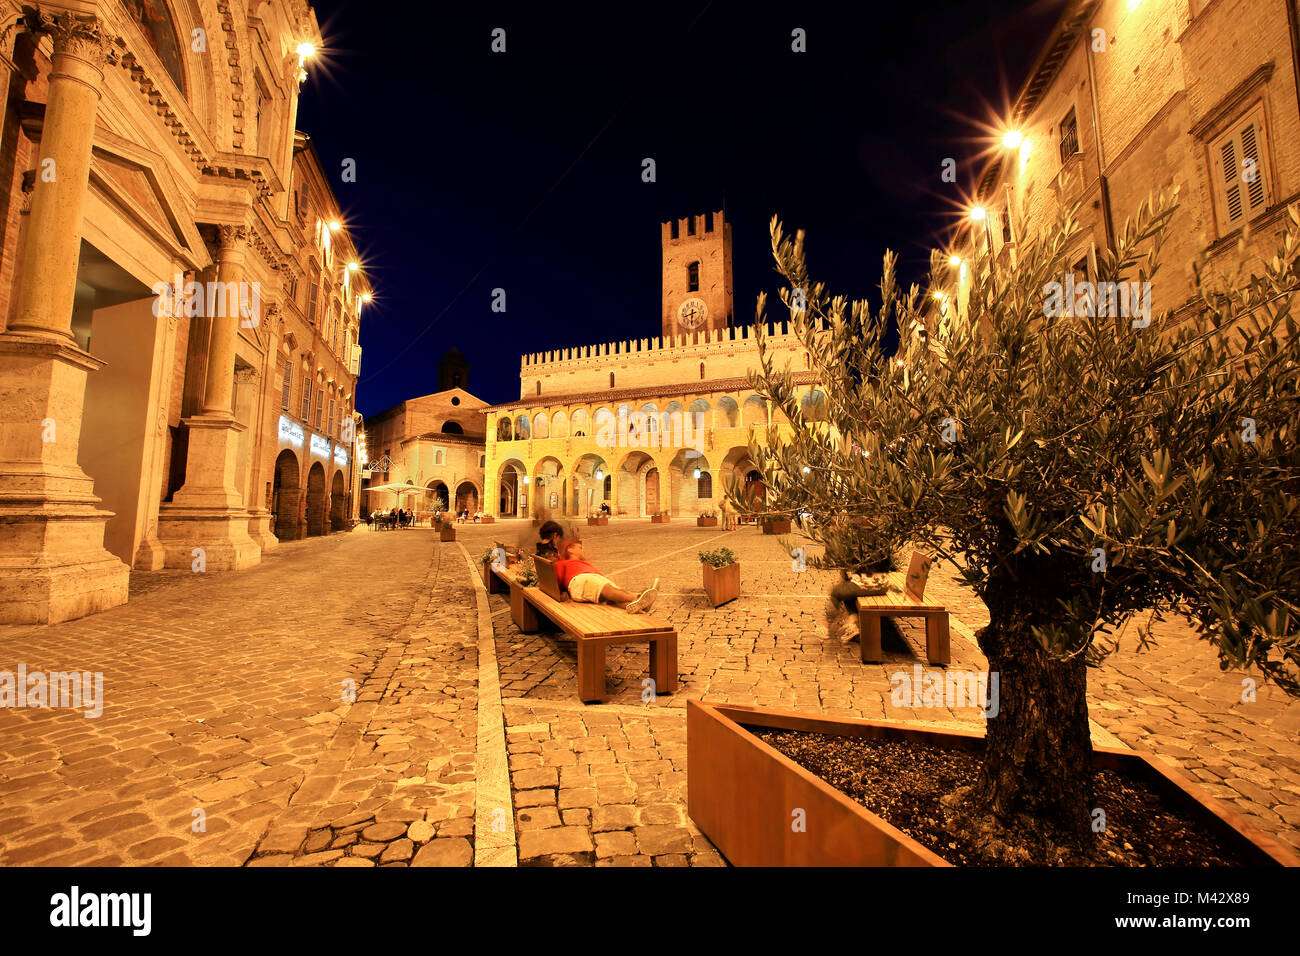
{"type": "Point", "coordinates": [207, 517]}
{"type": "Point", "coordinates": [53, 565]}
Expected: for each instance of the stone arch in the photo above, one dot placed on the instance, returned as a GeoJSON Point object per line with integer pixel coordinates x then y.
{"type": "Point", "coordinates": [338, 503]}
{"type": "Point", "coordinates": [286, 497]}
{"type": "Point", "coordinates": [586, 490]}
{"type": "Point", "coordinates": [580, 423]}
{"type": "Point", "coordinates": [560, 424]}
{"type": "Point", "coordinates": [436, 497]}
{"type": "Point", "coordinates": [728, 411]}
{"type": "Point", "coordinates": [511, 490]}
{"type": "Point", "coordinates": [736, 473]}
{"type": "Point", "coordinates": [505, 432]}
{"type": "Point", "coordinates": [754, 411]}
{"type": "Point", "coordinates": [316, 504]}
{"type": "Point", "coordinates": [683, 485]}
{"type": "Point", "coordinates": [541, 425]}
{"type": "Point", "coordinates": [522, 428]}
{"type": "Point", "coordinates": [549, 486]}
{"type": "Point", "coordinates": [467, 497]}
{"type": "Point", "coordinates": [638, 484]}
{"type": "Point", "coordinates": [813, 406]}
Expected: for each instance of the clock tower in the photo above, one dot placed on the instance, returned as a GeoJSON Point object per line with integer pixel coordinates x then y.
{"type": "Point", "coordinates": [697, 290]}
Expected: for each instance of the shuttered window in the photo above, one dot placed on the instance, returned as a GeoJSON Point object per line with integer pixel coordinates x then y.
{"type": "Point", "coordinates": [320, 405]}
{"type": "Point", "coordinates": [306, 398]}
{"type": "Point", "coordinates": [287, 386]}
{"type": "Point", "coordinates": [1241, 171]}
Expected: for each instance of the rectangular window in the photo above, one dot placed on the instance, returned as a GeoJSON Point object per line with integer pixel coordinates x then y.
{"type": "Point", "coordinates": [1069, 136]}
{"type": "Point", "coordinates": [306, 398]}
{"type": "Point", "coordinates": [332, 423]}
{"type": "Point", "coordinates": [312, 296]}
{"type": "Point", "coordinates": [1239, 161]}
{"type": "Point", "coordinates": [286, 386]}
{"type": "Point", "coordinates": [481, 460]}
{"type": "Point", "coordinates": [320, 407]}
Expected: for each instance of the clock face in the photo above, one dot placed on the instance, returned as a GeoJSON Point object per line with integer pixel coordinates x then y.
{"type": "Point", "coordinates": [692, 313]}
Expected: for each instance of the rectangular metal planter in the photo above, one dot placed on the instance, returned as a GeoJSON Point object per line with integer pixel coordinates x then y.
{"type": "Point", "coordinates": [780, 526]}
{"type": "Point", "coordinates": [659, 519]}
{"type": "Point", "coordinates": [721, 584]}
{"type": "Point", "coordinates": [487, 519]}
{"type": "Point", "coordinates": [448, 533]}
{"type": "Point", "coordinates": [743, 794]}
{"type": "Point", "coordinates": [707, 522]}
{"type": "Point", "coordinates": [593, 522]}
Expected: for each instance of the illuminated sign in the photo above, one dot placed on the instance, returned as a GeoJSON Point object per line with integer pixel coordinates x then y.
{"type": "Point", "coordinates": [291, 432]}
{"type": "Point", "coordinates": [320, 447]}
{"type": "Point", "coordinates": [341, 457]}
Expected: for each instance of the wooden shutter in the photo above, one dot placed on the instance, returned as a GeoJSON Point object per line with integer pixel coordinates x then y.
{"type": "Point", "coordinates": [287, 386]}
{"type": "Point", "coordinates": [306, 398]}
{"type": "Point", "coordinates": [1241, 172]}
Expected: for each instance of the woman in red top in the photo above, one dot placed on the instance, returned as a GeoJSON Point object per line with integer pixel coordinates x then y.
{"type": "Point", "coordinates": [584, 583]}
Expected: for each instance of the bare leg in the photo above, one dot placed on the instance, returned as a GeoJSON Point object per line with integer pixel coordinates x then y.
{"type": "Point", "coordinates": [616, 596]}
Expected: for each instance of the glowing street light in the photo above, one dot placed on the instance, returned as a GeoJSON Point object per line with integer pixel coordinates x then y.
{"type": "Point", "coordinates": [306, 50]}
{"type": "Point", "coordinates": [1012, 138]}
{"type": "Point", "coordinates": [335, 225]}
{"type": "Point", "coordinates": [954, 260]}
{"type": "Point", "coordinates": [353, 266]}
{"type": "Point", "coordinates": [978, 213]}
{"type": "Point", "coordinates": [366, 297]}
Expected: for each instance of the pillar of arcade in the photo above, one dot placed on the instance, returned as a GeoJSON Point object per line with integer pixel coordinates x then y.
{"type": "Point", "coordinates": [205, 525]}
{"type": "Point", "coordinates": [53, 565]}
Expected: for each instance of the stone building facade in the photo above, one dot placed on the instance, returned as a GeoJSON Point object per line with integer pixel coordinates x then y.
{"type": "Point", "coordinates": [427, 454]}
{"type": "Point", "coordinates": [162, 238]}
{"type": "Point", "coordinates": [648, 425]}
{"type": "Point", "coordinates": [1128, 99]}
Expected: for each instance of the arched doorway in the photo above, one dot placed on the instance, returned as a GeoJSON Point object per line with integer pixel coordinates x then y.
{"type": "Point", "coordinates": [466, 498]}
{"type": "Point", "coordinates": [316, 501]}
{"type": "Point", "coordinates": [338, 504]}
{"type": "Point", "coordinates": [755, 490]}
{"type": "Point", "coordinates": [435, 496]}
{"type": "Point", "coordinates": [512, 495]}
{"type": "Point", "coordinates": [652, 491]}
{"type": "Point", "coordinates": [286, 498]}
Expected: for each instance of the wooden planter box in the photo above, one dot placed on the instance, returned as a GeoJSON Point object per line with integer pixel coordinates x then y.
{"type": "Point", "coordinates": [490, 581]}
{"type": "Point", "coordinates": [537, 522]}
{"type": "Point", "coordinates": [706, 522]}
{"type": "Point", "coordinates": [721, 584]}
{"type": "Point", "coordinates": [659, 519]}
{"type": "Point", "coordinates": [740, 792]}
{"type": "Point", "coordinates": [448, 533]}
{"type": "Point", "coordinates": [487, 519]}
{"type": "Point", "coordinates": [604, 519]}
{"type": "Point", "coordinates": [777, 526]}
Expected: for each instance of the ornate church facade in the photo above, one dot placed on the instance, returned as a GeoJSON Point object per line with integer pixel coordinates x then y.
{"type": "Point", "coordinates": [647, 426]}
{"type": "Point", "coordinates": [179, 294]}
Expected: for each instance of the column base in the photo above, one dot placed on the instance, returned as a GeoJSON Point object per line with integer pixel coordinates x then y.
{"type": "Point", "coordinates": [206, 539]}
{"type": "Point", "coordinates": [150, 555]}
{"type": "Point", "coordinates": [53, 566]}
{"type": "Point", "coordinates": [259, 529]}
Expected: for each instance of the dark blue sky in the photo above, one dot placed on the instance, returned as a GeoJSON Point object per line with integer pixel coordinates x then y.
{"type": "Point", "coordinates": [522, 170]}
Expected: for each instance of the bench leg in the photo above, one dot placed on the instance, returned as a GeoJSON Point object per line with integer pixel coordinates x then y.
{"type": "Point", "coordinates": [937, 649]}
{"type": "Point", "coordinates": [591, 671]}
{"type": "Point", "coordinates": [494, 584]}
{"type": "Point", "coordinates": [525, 617]}
{"type": "Point", "coordinates": [869, 637]}
{"type": "Point", "coordinates": [663, 663]}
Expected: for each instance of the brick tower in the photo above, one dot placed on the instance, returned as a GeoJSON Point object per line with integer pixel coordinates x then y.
{"type": "Point", "coordinates": [697, 274]}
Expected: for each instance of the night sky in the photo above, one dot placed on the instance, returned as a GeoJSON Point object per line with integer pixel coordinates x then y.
{"type": "Point", "coordinates": [522, 170]}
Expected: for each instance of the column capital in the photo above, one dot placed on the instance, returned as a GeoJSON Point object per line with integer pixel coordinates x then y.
{"type": "Point", "coordinates": [78, 35]}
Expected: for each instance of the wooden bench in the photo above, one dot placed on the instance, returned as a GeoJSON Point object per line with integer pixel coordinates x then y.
{"type": "Point", "coordinates": [905, 598]}
{"type": "Point", "coordinates": [594, 627]}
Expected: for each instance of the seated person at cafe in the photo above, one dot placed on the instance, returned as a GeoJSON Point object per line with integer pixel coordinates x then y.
{"type": "Point", "coordinates": [550, 534]}
{"type": "Point", "coordinates": [585, 583]}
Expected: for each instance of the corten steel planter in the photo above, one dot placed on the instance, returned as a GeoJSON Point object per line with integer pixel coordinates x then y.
{"type": "Point", "coordinates": [659, 519]}
{"type": "Point", "coordinates": [487, 519]}
{"type": "Point", "coordinates": [742, 794]}
{"type": "Point", "coordinates": [448, 533]}
{"type": "Point", "coordinates": [598, 521]}
{"type": "Point", "coordinates": [721, 584]}
{"type": "Point", "coordinates": [777, 526]}
{"type": "Point", "coordinates": [707, 522]}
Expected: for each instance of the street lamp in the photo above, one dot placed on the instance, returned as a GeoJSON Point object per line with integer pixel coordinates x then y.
{"type": "Point", "coordinates": [1012, 139]}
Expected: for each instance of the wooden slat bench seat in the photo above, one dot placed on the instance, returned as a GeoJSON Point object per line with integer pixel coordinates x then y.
{"type": "Point", "coordinates": [905, 598]}
{"type": "Point", "coordinates": [594, 627]}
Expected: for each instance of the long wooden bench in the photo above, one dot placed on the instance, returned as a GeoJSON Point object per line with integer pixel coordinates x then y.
{"type": "Point", "coordinates": [905, 598]}
{"type": "Point", "coordinates": [595, 627]}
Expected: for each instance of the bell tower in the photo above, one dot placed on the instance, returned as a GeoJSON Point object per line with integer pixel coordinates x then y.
{"type": "Point", "coordinates": [697, 289]}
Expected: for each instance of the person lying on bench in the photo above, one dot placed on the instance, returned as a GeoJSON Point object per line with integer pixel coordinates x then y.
{"type": "Point", "coordinates": [585, 583]}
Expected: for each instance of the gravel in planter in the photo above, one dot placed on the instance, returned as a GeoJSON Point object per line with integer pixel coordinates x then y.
{"type": "Point", "coordinates": [903, 782]}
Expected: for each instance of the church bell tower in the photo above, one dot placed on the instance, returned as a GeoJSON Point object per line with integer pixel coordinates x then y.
{"type": "Point", "coordinates": [697, 288]}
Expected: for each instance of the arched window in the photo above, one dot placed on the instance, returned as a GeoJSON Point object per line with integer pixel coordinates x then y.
{"type": "Point", "coordinates": [452, 428]}
{"type": "Point", "coordinates": [693, 274]}
{"type": "Point", "coordinates": [503, 429]}
{"type": "Point", "coordinates": [701, 371]}
{"type": "Point", "coordinates": [608, 491]}
{"type": "Point", "coordinates": [539, 388]}
{"type": "Point", "coordinates": [611, 379]}
{"type": "Point", "coordinates": [704, 485]}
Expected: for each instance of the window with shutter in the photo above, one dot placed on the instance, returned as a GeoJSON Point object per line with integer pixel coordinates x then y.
{"type": "Point", "coordinates": [287, 386]}
{"type": "Point", "coordinates": [1241, 171]}
{"type": "Point", "coordinates": [331, 423]}
{"type": "Point", "coordinates": [306, 398]}
{"type": "Point", "coordinates": [320, 405]}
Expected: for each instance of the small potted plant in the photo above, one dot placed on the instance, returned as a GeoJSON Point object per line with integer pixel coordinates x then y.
{"type": "Point", "coordinates": [660, 518]}
{"type": "Point", "coordinates": [527, 574]}
{"type": "Point", "coordinates": [721, 575]}
{"type": "Point", "coordinates": [706, 519]}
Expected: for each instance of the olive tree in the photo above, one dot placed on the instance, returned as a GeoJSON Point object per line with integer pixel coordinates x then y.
{"type": "Point", "coordinates": [1083, 470]}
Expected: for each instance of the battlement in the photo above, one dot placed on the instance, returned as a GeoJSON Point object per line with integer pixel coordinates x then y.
{"type": "Point", "coordinates": [693, 227]}
{"type": "Point", "coordinates": [778, 332]}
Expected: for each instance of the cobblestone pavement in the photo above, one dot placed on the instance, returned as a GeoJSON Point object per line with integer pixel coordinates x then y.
{"type": "Point", "coordinates": [225, 694]}
{"type": "Point", "coordinates": [773, 647]}
{"type": "Point", "coordinates": [225, 736]}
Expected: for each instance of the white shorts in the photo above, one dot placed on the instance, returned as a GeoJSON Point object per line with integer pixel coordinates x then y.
{"type": "Point", "coordinates": [587, 587]}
